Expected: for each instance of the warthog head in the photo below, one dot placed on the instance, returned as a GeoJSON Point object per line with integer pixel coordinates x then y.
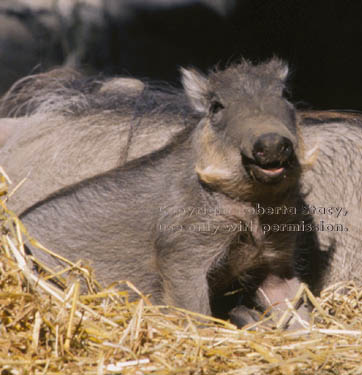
{"type": "Point", "coordinates": [249, 132]}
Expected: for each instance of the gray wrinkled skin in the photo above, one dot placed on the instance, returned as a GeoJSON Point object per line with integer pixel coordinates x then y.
{"type": "Point", "coordinates": [334, 180]}
{"type": "Point", "coordinates": [136, 214]}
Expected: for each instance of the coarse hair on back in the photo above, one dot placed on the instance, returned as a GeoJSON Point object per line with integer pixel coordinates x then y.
{"type": "Point", "coordinates": [68, 92]}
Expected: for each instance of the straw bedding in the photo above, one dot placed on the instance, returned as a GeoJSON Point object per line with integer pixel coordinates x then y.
{"type": "Point", "coordinates": [49, 330]}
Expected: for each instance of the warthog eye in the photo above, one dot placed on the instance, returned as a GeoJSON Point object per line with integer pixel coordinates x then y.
{"type": "Point", "coordinates": [216, 107]}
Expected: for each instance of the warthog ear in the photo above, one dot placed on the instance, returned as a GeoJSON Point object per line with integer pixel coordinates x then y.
{"type": "Point", "coordinates": [197, 89]}
{"type": "Point", "coordinates": [283, 71]}
{"type": "Point", "coordinates": [280, 67]}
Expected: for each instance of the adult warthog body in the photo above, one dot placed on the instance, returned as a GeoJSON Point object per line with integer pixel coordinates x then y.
{"type": "Point", "coordinates": [60, 128]}
{"type": "Point", "coordinates": [187, 215]}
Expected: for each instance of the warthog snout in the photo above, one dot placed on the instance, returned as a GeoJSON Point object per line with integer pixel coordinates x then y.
{"type": "Point", "coordinates": [273, 154]}
{"type": "Point", "coordinates": [271, 150]}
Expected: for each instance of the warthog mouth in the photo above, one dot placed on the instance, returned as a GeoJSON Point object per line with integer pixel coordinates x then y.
{"type": "Point", "coordinates": [271, 173]}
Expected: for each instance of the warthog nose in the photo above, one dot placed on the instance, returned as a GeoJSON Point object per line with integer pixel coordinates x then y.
{"type": "Point", "coordinates": [272, 148]}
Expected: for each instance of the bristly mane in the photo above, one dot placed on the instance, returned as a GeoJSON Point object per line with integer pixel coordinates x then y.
{"type": "Point", "coordinates": [266, 77]}
{"type": "Point", "coordinates": [67, 92]}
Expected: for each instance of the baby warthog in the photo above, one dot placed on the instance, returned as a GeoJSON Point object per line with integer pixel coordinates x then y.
{"type": "Point", "coordinates": [187, 223]}
{"type": "Point", "coordinates": [71, 128]}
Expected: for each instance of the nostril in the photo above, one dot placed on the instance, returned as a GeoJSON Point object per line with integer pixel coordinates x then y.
{"type": "Point", "coordinates": [286, 147]}
{"type": "Point", "coordinates": [259, 150]}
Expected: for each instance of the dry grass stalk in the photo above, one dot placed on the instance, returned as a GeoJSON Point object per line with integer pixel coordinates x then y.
{"type": "Point", "coordinates": [46, 330]}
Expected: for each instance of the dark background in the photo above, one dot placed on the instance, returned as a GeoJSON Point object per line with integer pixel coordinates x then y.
{"type": "Point", "coordinates": [321, 40]}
